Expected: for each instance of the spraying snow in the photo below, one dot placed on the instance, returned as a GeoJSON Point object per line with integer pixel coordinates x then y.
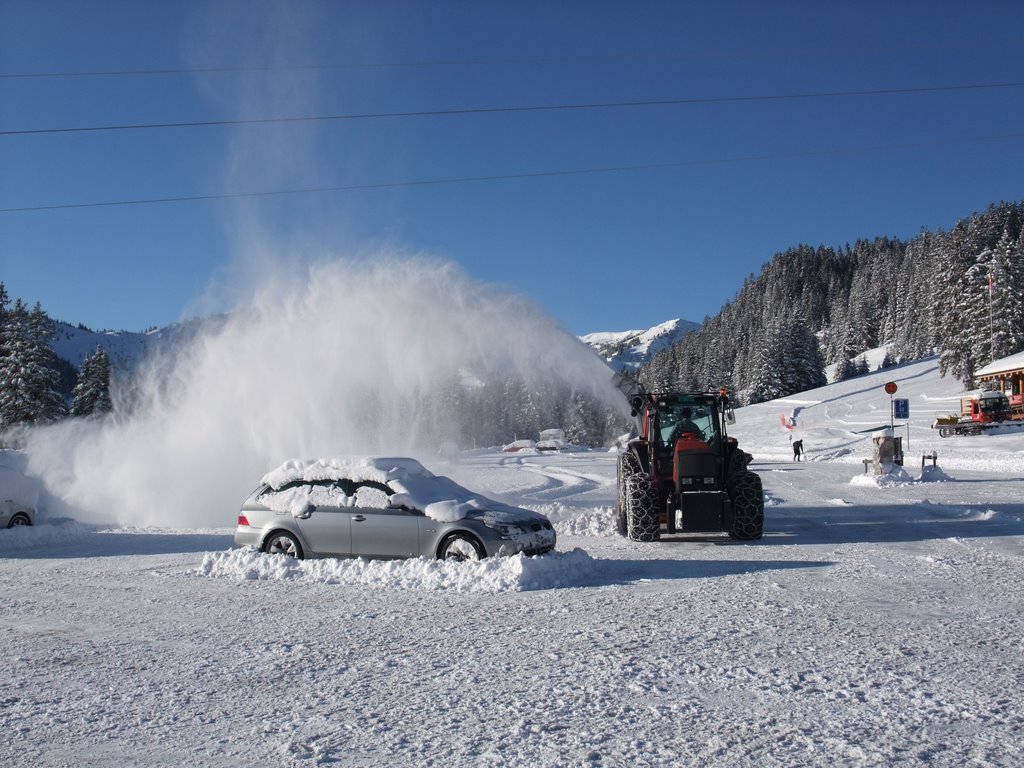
{"type": "Point", "coordinates": [337, 358]}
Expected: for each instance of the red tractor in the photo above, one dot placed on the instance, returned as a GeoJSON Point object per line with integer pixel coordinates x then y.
{"type": "Point", "coordinates": [684, 474]}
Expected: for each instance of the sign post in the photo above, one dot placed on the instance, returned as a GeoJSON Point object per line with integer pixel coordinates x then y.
{"type": "Point", "coordinates": [901, 410]}
{"type": "Point", "coordinates": [890, 388]}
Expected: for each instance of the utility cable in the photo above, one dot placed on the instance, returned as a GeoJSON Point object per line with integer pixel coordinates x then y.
{"type": "Point", "coordinates": [507, 177]}
{"type": "Point", "coordinates": [696, 54]}
{"type": "Point", "coordinates": [519, 109]}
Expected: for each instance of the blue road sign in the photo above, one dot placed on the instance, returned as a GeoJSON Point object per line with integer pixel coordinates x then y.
{"type": "Point", "coordinates": [901, 408]}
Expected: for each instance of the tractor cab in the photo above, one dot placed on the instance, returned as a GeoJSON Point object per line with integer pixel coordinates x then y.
{"type": "Point", "coordinates": [677, 425]}
{"type": "Point", "coordinates": [685, 436]}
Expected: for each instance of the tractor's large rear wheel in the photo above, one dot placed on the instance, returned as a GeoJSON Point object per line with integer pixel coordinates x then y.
{"type": "Point", "coordinates": [638, 501]}
{"type": "Point", "coordinates": [747, 495]}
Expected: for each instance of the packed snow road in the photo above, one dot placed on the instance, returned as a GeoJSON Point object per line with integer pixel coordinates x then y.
{"type": "Point", "coordinates": [871, 626]}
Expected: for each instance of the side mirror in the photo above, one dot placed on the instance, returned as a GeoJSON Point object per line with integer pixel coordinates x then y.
{"type": "Point", "coordinates": [730, 416]}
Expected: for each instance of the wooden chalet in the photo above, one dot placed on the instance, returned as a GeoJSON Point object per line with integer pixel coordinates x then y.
{"type": "Point", "coordinates": [1007, 374]}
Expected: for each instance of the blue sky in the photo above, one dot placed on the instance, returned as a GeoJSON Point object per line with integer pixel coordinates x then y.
{"type": "Point", "coordinates": [724, 184]}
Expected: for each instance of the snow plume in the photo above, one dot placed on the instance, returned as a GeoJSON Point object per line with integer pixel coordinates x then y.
{"type": "Point", "coordinates": [340, 357]}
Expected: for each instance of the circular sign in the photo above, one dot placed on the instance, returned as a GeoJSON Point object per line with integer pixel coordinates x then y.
{"type": "Point", "coordinates": [890, 387]}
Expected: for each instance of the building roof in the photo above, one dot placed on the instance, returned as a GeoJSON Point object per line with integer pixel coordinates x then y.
{"type": "Point", "coordinates": [1003, 365]}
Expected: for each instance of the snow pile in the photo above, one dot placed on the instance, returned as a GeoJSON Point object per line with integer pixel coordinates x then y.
{"type": "Point", "coordinates": [31, 538]}
{"type": "Point", "coordinates": [594, 522]}
{"type": "Point", "coordinates": [496, 574]}
{"type": "Point", "coordinates": [934, 474]}
{"type": "Point", "coordinates": [358, 469]}
{"type": "Point", "coordinates": [893, 475]}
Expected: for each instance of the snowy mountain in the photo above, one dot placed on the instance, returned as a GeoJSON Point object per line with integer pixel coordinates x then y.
{"type": "Point", "coordinates": [125, 348]}
{"type": "Point", "coordinates": [628, 350]}
{"type": "Point", "coordinates": [623, 350]}
{"type": "Point", "coordinates": [75, 343]}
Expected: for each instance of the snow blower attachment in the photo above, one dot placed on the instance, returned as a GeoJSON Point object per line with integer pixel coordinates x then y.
{"type": "Point", "coordinates": [683, 473]}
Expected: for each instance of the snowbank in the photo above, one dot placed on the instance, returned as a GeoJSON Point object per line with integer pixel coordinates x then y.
{"type": "Point", "coordinates": [496, 574]}
{"type": "Point", "coordinates": [30, 538]}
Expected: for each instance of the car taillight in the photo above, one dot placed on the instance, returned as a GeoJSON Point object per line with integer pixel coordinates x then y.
{"type": "Point", "coordinates": [242, 519]}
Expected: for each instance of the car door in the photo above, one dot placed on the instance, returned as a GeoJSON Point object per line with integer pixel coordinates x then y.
{"type": "Point", "coordinates": [326, 529]}
{"type": "Point", "coordinates": [324, 519]}
{"type": "Point", "coordinates": [379, 530]}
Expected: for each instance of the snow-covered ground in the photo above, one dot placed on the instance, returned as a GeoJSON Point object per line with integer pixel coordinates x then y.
{"type": "Point", "coordinates": [873, 625]}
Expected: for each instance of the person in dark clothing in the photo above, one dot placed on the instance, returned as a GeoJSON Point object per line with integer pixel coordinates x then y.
{"type": "Point", "coordinates": [798, 449]}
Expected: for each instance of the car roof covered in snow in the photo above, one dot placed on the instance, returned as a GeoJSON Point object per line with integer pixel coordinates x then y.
{"type": "Point", "coordinates": [355, 468]}
{"type": "Point", "coordinates": [439, 497]}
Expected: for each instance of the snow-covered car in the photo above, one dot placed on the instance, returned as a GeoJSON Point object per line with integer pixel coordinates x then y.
{"type": "Point", "coordinates": [382, 508]}
{"type": "Point", "coordinates": [18, 497]}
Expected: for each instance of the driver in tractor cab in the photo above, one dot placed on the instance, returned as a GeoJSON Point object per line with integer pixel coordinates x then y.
{"type": "Point", "coordinates": [685, 426]}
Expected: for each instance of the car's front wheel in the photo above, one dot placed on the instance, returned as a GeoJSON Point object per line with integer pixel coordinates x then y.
{"type": "Point", "coordinates": [461, 547]}
{"type": "Point", "coordinates": [283, 543]}
{"type": "Point", "coordinates": [19, 519]}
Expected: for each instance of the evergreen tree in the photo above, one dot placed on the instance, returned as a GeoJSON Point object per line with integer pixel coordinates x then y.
{"type": "Point", "coordinates": [29, 375]}
{"type": "Point", "coordinates": [15, 396]}
{"type": "Point", "coordinates": [803, 360]}
{"type": "Point", "coordinates": [44, 368]}
{"type": "Point", "coordinates": [92, 393]}
{"type": "Point", "coordinates": [1006, 295]}
{"type": "Point", "coordinates": [846, 369]}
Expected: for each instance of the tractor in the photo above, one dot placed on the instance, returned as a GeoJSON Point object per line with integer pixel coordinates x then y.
{"type": "Point", "coordinates": [683, 474]}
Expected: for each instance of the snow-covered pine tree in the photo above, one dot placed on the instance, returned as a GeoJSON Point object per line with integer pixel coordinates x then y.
{"type": "Point", "coordinates": [92, 393]}
{"type": "Point", "coordinates": [15, 397]}
{"type": "Point", "coordinates": [845, 369]}
{"type": "Point", "coordinates": [804, 364]}
{"type": "Point", "coordinates": [44, 371]}
{"type": "Point", "coordinates": [767, 380]}
{"type": "Point", "coordinates": [1006, 294]}
{"type": "Point", "coordinates": [965, 306]}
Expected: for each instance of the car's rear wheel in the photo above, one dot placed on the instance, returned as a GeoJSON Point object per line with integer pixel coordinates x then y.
{"type": "Point", "coordinates": [283, 543]}
{"type": "Point", "coordinates": [461, 547]}
{"type": "Point", "coordinates": [19, 519]}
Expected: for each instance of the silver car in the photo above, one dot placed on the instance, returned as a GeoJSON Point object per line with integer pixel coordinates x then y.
{"type": "Point", "coordinates": [18, 497]}
{"type": "Point", "coordinates": [13, 514]}
{"type": "Point", "coordinates": [378, 507]}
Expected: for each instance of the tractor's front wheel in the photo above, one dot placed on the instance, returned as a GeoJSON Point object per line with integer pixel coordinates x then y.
{"type": "Point", "coordinates": [747, 495]}
{"type": "Point", "coordinates": [638, 501]}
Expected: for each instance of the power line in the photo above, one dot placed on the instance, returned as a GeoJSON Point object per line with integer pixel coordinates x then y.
{"type": "Point", "coordinates": [510, 176]}
{"type": "Point", "coordinates": [520, 109]}
{"type": "Point", "coordinates": [691, 55]}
